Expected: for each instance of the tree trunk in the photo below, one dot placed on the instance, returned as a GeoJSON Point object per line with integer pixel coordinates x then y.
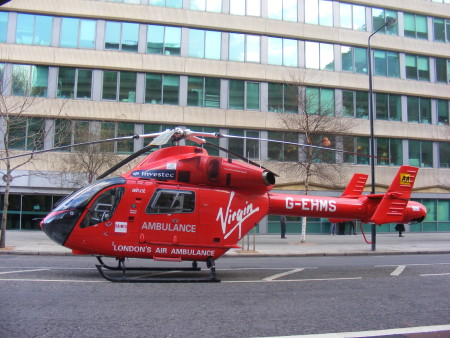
{"type": "Point", "coordinates": [5, 208]}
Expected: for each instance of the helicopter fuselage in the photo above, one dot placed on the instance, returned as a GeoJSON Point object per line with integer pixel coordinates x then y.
{"type": "Point", "coordinates": [181, 204]}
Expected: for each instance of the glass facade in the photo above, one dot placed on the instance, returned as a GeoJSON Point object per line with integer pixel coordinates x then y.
{"type": "Point", "coordinates": [163, 40]}
{"type": "Point", "coordinates": [243, 95]}
{"type": "Point", "coordinates": [29, 80]}
{"type": "Point", "coordinates": [205, 44]}
{"type": "Point", "coordinates": [74, 83]}
{"type": "Point", "coordinates": [355, 104]}
{"type": "Point", "coordinates": [121, 36]}
{"type": "Point", "coordinates": [419, 109]}
{"type": "Point", "coordinates": [77, 33]}
{"type": "Point", "coordinates": [119, 86]}
{"type": "Point", "coordinates": [162, 89]}
{"type": "Point", "coordinates": [388, 107]}
{"type": "Point", "coordinates": [283, 10]}
{"type": "Point", "coordinates": [417, 67]}
{"type": "Point", "coordinates": [282, 98]}
{"type": "Point", "coordinates": [203, 92]}
{"type": "Point", "coordinates": [420, 153]}
{"type": "Point", "coordinates": [33, 29]}
{"type": "Point", "coordinates": [352, 16]}
{"type": "Point", "coordinates": [415, 26]}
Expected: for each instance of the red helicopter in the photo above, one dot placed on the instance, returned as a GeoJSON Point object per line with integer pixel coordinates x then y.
{"type": "Point", "coordinates": [181, 204]}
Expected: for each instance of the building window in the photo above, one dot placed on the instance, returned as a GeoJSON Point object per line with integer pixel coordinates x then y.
{"type": "Point", "coordinates": [388, 107]}
{"type": "Point", "coordinates": [355, 104]}
{"type": "Point", "coordinates": [417, 67]}
{"type": "Point", "coordinates": [386, 63]}
{"type": "Point", "coordinates": [352, 16]}
{"type": "Point", "coordinates": [244, 48]}
{"type": "Point", "coordinates": [34, 29]}
{"type": "Point", "coordinates": [419, 109]}
{"type": "Point", "coordinates": [285, 10]}
{"type": "Point", "coordinates": [380, 17]}
{"type": "Point", "coordinates": [443, 112]}
{"type": "Point", "coordinates": [319, 12]}
{"type": "Point", "coordinates": [283, 98]}
{"type": "Point", "coordinates": [26, 133]}
{"type": "Point", "coordinates": [74, 83]}
{"type": "Point", "coordinates": [166, 3]}
{"type": "Point", "coordinates": [318, 154]}
{"type": "Point", "coordinates": [442, 70]}
{"type": "Point", "coordinates": [77, 33]}
{"type": "Point", "coordinates": [415, 26]}
{"type": "Point", "coordinates": [278, 151]}
{"type": "Point", "coordinates": [421, 153]}
{"type": "Point", "coordinates": [245, 7]}
{"type": "Point", "coordinates": [356, 149]}
{"type": "Point", "coordinates": [162, 89]}
{"type": "Point", "coordinates": [119, 86]}
{"type": "Point", "coordinates": [354, 59]}
{"type": "Point", "coordinates": [206, 5]}
{"type": "Point", "coordinates": [28, 80]}
{"type": "Point", "coordinates": [244, 147]}
{"type": "Point", "coordinates": [441, 29]}
{"type": "Point", "coordinates": [205, 44]}
{"type": "Point", "coordinates": [389, 151]}
{"type": "Point", "coordinates": [203, 92]}
{"type": "Point", "coordinates": [122, 36]}
{"type": "Point", "coordinates": [283, 52]}
{"type": "Point", "coordinates": [3, 26]}
{"type": "Point", "coordinates": [243, 95]}
{"type": "Point", "coordinates": [163, 40]}
{"type": "Point", "coordinates": [319, 55]}
{"type": "Point", "coordinates": [444, 155]}
{"type": "Point", "coordinates": [319, 101]}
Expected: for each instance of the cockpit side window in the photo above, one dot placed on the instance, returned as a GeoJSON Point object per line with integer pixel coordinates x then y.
{"type": "Point", "coordinates": [166, 201]}
{"type": "Point", "coordinates": [103, 207]}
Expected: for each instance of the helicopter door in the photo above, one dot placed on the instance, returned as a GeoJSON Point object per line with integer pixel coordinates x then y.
{"type": "Point", "coordinates": [170, 216]}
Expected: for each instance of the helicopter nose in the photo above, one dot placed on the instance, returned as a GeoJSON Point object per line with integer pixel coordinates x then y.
{"type": "Point", "coordinates": [59, 224]}
{"type": "Point", "coordinates": [416, 212]}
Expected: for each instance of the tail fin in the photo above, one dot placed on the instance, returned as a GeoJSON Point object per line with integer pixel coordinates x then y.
{"type": "Point", "coordinates": [354, 189]}
{"type": "Point", "coordinates": [393, 204]}
{"type": "Point", "coordinates": [356, 186]}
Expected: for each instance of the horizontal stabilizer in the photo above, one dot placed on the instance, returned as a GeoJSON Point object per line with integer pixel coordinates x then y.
{"type": "Point", "coordinates": [354, 189]}
{"type": "Point", "coordinates": [356, 186]}
{"type": "Point", "coordinates": [392, 207]}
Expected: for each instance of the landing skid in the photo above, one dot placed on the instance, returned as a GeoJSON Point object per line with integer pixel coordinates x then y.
{"type": "Point", "coordinates": [125, 279]}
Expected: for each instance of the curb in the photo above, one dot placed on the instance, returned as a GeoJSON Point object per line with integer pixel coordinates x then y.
{"type": "Point", "coordinates": [259, 254]}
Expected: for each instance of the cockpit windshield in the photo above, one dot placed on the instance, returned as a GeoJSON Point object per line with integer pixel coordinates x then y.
{"type": "Point", "coordinates": [81, 198]}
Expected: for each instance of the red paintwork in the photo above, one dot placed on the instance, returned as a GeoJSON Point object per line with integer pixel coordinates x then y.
{"type": "Point", "coordinates": [231, 197]}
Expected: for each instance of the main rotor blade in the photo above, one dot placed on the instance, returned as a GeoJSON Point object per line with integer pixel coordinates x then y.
{"type": "Point", "coordinates": [126, 160]}
{"type": "Point", "coordinates": [301, 145]}
{"type": "Point", "coordinates": [36, 152]}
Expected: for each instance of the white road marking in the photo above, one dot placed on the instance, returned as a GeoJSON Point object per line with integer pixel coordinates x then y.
{"type": "Point", "coordinates": [419, 329]}
{"type": "Point", "coordinates": [52, 280]}
{"type": "Point", "coordinates": [18, 271]}
{"type": "Point", "coordinates": [292, 280]}
{"type": "Point", "coordinates": [398, 270]}
{"type": "Point", "coordinates": [435, 274]}
{"type": "Point", "coordinates": [282, 274]}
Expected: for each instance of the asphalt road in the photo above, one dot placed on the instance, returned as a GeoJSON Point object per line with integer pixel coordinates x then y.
{"type": "Point", "coordinates": [45, 296]}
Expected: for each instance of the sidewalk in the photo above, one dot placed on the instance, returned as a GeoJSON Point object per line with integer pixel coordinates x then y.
{"type": "Point", "coordinates": [37, 243]}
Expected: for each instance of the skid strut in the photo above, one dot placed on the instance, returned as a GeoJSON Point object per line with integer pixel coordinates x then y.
{"type": "Point", "coordinates": [125, 279]}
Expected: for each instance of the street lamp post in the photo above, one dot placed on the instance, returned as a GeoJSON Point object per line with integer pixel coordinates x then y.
{"type": "Point", "coordinates": [388, 22]}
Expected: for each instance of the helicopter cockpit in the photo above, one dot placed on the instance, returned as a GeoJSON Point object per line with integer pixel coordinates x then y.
{"type": "Point", "coordinates": [60, 222]}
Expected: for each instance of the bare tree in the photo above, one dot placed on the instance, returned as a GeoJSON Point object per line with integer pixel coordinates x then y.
{"type": "Point", "coordinates": [83, 164]}
{"type": "Point", "coordinates": [21, 130]}
{"type": "Point", "coordinates": [320, 126]}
